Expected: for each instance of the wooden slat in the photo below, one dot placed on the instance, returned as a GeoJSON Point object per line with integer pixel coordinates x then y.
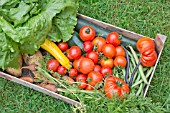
{"type": "Point", "coordinates": [40, 89]}
{"type": "Point", "coordinates": [159, 41]}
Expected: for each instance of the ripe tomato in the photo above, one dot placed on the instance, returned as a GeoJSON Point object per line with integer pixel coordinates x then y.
{"type": "Point", "coordinates": [146, 47]}
{"type": "Point", "coordinates": [87, 33]}
{"type": "Point", "coordinates": [87, 45]}
{"type": "Point", "coordinates": [99, 42]}
{"type": "Point", "coordinates": [75, 52]}
{"type": "Point", "coordinates": [120, 51]}
{"type": "Point", "coordinates": [143, 44]}
{"type": "Point", "coordinates": [68, 55]}
{"type": "Point", "coordinates": [97, 68]}
{"type": "Point", "coordinates": [93, 55]}
{"type": "Point", "coordinates": [94, 78]}
{"type": "Point", "coordinates": [106, 71]}
{"type": "Point", "coordinates": [63, 46]}
{"type": "Point", "coordinates": [115, 86]}
{"type": "Point", "coordinates": [52, 65]}
{"type": "Point", "coordinates": [73, 73]}
{"type": "Point", "coordinates": [149, 59]}
{"type": "Point", "coordinates": [107, 62]}
{"type": "Point", "coordinates": [76, 63]}
{"type": "Point", "coordinates": [61, 70]}
{"type": "Point", "coordinates": [82, 79]}
{"type": "Point", "coordinates": [89, 87]}
{"type": "Point", "coordinates": [86, 65]}
{"type": "Point", "coordinates": [113, 38]}
{"type": "Point", "coordinates": [120, 61]}
{"type": "Point", "coordinates": [109, 50]}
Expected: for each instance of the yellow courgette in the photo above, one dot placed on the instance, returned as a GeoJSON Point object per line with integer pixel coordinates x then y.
{"type": "Point", "coordinates": [53, 49]}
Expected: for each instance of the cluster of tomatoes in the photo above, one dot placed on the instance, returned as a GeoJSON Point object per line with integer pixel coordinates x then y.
{"type": "Point", "coordinates": [95, 62]}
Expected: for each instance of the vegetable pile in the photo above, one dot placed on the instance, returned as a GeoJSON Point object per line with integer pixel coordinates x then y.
{"type": "Point", "coordinates": [99, 64]}
{"type": "Point", "coordinates": [83, 60]}
{"type": "Point", "coordinates": [25, 24]}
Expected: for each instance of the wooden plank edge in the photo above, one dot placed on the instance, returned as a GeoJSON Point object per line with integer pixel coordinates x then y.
{"type": "Point", "coordinates": [111, 27]}
{"type": "Point", "coordinates": [40, 89]}
{"type": "Point", "coordinates": [160, 41]}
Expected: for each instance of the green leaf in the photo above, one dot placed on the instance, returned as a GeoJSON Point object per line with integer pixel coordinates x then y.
{"type": "Point", "coordinates": [9, 52]}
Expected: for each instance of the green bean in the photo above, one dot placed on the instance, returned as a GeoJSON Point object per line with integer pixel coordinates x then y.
{"type": "Point", "coordinates": [139, 90]}
{"type": "Point", "coordinates": [140, 67]}
{"type": "Point", "coordinates": [123, 71]}
{"type": "Point", "coordinates": [135, 76]}
{"type": "Point", "coordinates": [147, 75]}
{"type": "Point", "coordinates": [132, 59]}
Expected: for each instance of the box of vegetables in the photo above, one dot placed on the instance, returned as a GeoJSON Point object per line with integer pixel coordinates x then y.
{"type": "Point", "coordinates": [52, 49]}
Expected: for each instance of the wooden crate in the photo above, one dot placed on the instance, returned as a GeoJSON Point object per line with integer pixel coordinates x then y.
{"type": "Point", "coordinates": [159, 41]}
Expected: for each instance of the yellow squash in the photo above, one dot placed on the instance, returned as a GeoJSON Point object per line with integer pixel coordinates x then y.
{"type": "Point", "coordinates": [53, 49]}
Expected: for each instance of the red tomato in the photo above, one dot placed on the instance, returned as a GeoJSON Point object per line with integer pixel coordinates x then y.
{"type": "Point", "coordinates": [146, 47]}
{"type": "Point", "coordinates": [87, 45]}
{"type": "Point", "coordinates": [109, 50]}
{"type": "Point", "coordinates": [99, 42]}
{"type": "Point", "coordinates": [93, 55]}
{"type": "Point", "coordinates": [106, 71]}
{"type": "Point", "coordinates": [94, 78]}
{"type": "Point", "coordinates": [120, 61]}
{"type": "Point", "coordinates": [68, 55]}
{"type": "Point", "coordinates": [107, 62]}
{"type": "Point", "coordinates": [97, 68]}
{"type": "Point", "coordinates": [75, 52]}
{"type": "Point", "coordinates": [144, 44]}
{"type": "Point", "coordinates": [82, 79]}
{"type": "Point", "coordinates": [86, 65]}
{"type": "Point", "coordinates": [87, 33]}
{"type": "Point", "coordinates": [89, 87]}
{"type": "Point", "coordinates": [63, 46]}
{"type": "Point", "coordinates": [149, 60]}
{"type": "Point", "coordinates": [52, 65]}
{"type": "Point", "coordinates": [76, 63]}
{"type": "Point", "coordinates": [73, 73]}
{"type": "Point", "coordinates": [61, 70]}
{"type": "Point", "coordinates": [120, 51]}
{"type": "Point", "coordinates": [113, 38]}
{"type": "Point", "coordinates": [115, 87]}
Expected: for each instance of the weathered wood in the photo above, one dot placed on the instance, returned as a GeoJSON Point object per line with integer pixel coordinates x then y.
{"type": "Point", "coordinates": [159, 41]}
{"type": "Point", "coordinates": [121, 31]}
{"type": "Point", "coordinates": [40, 89]}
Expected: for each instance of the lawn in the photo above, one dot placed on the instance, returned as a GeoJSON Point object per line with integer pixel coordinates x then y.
{"type": "Point", "coordinates": [145, 17]}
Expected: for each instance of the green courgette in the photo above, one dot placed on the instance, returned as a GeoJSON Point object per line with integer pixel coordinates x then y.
{"type": "Point", "coordinates": [75, 41]}
{"type": "Point", "coordinates": [125, 41]}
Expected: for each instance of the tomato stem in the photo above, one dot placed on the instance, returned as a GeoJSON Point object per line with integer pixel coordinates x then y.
{"type": "Point", "coordinates": [88, 79]}
{"type": "Point", "coordinates": [87, 30]}
{"type": "Point", "coordinates": [119, 83]}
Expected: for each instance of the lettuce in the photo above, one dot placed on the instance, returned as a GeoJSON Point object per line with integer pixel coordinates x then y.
{"type": "Point", "coordinates": [24, 25]}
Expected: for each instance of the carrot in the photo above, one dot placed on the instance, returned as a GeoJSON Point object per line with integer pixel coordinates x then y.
{"type": "Point", "coordinates": [50, 87]}
{"type": "Point", "coordinates": [28, 79]}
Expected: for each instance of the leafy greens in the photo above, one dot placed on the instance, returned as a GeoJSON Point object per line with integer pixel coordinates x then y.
{"type": "Point", "coordinates": [24, 25]}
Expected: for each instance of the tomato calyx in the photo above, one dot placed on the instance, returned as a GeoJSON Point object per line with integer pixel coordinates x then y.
{"type": "Point", "coordinates": [119, 84]}
{"type": "Point", "coordinates": [89, 80]}
{"type": "Point", "coordinates": [87, 30]}
{"type": "Point", "coordinates": [105, 58]}
{"type": "Point", "coordinates": [95, 47]}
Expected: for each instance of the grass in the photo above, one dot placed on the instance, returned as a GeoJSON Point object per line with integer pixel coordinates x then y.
{"type": "Point", "coordinates": [145, 17]}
